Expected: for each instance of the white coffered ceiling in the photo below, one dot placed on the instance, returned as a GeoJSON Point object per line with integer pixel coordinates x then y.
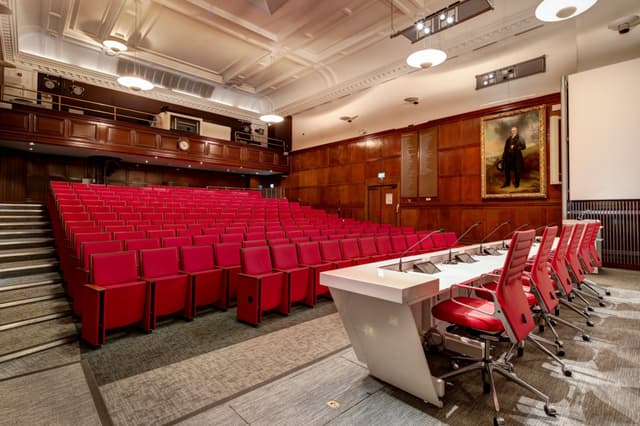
{"type": "Point", "coordinates": [289, 56]}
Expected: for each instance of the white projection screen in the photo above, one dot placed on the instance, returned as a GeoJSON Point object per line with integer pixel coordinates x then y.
{"type": "Point", "coordinates": [604, 133]}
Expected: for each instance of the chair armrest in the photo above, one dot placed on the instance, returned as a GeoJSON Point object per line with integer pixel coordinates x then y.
{"type": "Point", "coordinates": [473, 308]}
{"type": "Point", "coordinates": [94, 287]}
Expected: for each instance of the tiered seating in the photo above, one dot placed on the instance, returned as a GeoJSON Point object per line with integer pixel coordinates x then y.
{"type": "Point", "coordinates": [227, 222]}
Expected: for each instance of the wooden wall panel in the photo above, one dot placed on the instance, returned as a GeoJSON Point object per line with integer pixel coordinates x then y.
{"type": "Point", "coordinates": [146, 139]}
{"type": "Point", "coordinates": [118, 136]}
{"type": "Point", "coordinates": [83, 130]}
{"type": "Point", "coordinates": [17, 121]}
{"type": "Point", "coordinates": [49, 126]}
{"type": "Point", "coordinates": [345, 168]}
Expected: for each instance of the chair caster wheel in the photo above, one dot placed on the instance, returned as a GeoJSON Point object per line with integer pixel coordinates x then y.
{"type": "Point", "coordinates": [556, 312]}
{"type": "Point", "coordinates": [541, 328]}
{"type": "Point", "coordinates": [589, 308]}
{"type": "Point", "coordinates": [498, 421]}
{"type": "Point", "coordinates": [560, 352]}
{"type": "Point", "coordinates": [567, 373]}
{"type": "Point", "coordinates": [454, 365]}
{"type": "Point", "coordinates": [602, 304]}
{"type": "Point", "coordinates": [590, 324]}
{"type": "Point", "coordinates": [586, 338]}
{"type": "Point", "coordinates": [607, 293]}
{"type": "Point", "coordinates": [520, 352]}
{"type": "Point", "coordinates": [553, 323]}
{"type": "Point", "coordinates": [486, 388]}
{"type": "Point", "coordinates": [550, 411]}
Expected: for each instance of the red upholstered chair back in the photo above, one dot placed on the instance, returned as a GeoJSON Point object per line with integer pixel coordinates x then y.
{"type": "Point", "coordinates": [563, 244]}
{"type": "Point", "coordinates": [411, 239]}
{"type": "Point", "coordinates": [510, 293]}
{"type": "Point", "coordinates": [284, 256]}
{"type": "Point", "coordinates": [114, 268]}
{"type": "Point", "coordinates": [188, 232]}
{"type": "Point", "coordinates": [197, 258]}
{"type": "Point", "coordinates": [350, 249]}
{"type": "Point", "coordinates": [129, 235]}
{"type": "Point", "coordinates": [176, 241]}
{"type": "Point", "coordinates": [227, 254]}
{"type": "Point", "coordinates": [309, 253]}
{"type": "Point", "coordinates": [398, 242]}
{"type": "Point", "coordinates": [439, 241]}
{"type": "Point", "coordinates": [85, 238]}
{"type": "Point", "coordinates": [160, 262]}
{"type": "Point", "coordinates": [95, 247]}
{"type": "Point", "coordinates": [205, 240]}
{"type": "Point", "coordinates": [576, 237]}
{"type": "Point", "coordinates": [164, 233]}
{"type": "Point", "coordinates": [541, 269]}
{"type": "Point", "coordinates": [383, 243]}
{"type": "Point", "coordinates": [367, 246]}
{"type": "Point", "coordinates": [449, 238]}
{"type": "Point", "coordinates": [256, 260]}
{"type": "Point", "coordinates": [330, 250]}
{"type": "Point", "coordinates": [232, 238]}
{"type": "Point", "coordinates": [142, 244]}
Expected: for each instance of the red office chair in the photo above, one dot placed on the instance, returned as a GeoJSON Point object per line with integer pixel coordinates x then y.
{"type": "Point", "coordinates": [170, 290]}
{"type": "Point", "coordinates": [298, 278]}
{"type": "Point", "coordinates": [115, 298]}
{"type": "Point", "coordinates": [508, 317]}
{"type": "Point", "coordinates": [564, 284]}
{"type": "Point", "coordinates": [260, 289]}
{"type": "Point", "coordinates": [589, 263]}
{"type": "Point", "coordinates": [542, 286]}
{"type": "Point", "coordinates": [206, 280]}
{"type": "Point", "coordinates": [227, 258]}
{"type": "Point", "coordinates": [309, 255]}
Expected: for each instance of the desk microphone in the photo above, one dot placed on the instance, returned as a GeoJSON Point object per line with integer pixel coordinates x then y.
{"type": "Point", "coordinates": [492, 251]}
{"type": "Point", "coordinates": [407, 250]}
{"type": "Point", "coordinates": [504, 247]}
{"type": "Point", "coordinates": [544, 226]}
{"type": "Point", "coordinates": [451, 261]}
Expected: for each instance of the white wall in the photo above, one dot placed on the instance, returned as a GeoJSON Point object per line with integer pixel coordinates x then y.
{"type": "Point", "coordinates": [604, 133]}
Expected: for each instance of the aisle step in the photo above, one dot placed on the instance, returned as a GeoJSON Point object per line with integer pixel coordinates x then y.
{"type": "Point", "coordinates": [30, 267]}
{"type": "Point", "coordinates": [28, 281]}
{"type": "Point", "coordinates": [35, 320]}
{"type": "Point", "coordinates": [10, 244]}
{"type": "Point", "coordinates": [21, 218]}
{"type": "Point", "coordinates": [23, 225]}
{"type": "Point", "coordinates": [29, 300]}
{"type": "Point", "coordinates": [25, 233]}
{"type": "Point", "coordinates": [17, 255]}
{"type": "Point", "coordinates": [28, 339]}
{"type": "Point", "coordinates": [24, 293]}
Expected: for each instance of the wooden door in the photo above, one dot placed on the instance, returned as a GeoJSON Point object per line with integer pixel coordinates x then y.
{"type": "Point", "coordinates": [381, 203]}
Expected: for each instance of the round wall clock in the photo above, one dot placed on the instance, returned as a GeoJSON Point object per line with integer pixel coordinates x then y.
{"type": "Point", "coordinates": [183, 145]}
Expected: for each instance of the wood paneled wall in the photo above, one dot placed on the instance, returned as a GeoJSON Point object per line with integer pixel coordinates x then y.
{"type": "Point", "coordinates": [24, 176]}
{"type": "Point", "coordinates": [337, 176]}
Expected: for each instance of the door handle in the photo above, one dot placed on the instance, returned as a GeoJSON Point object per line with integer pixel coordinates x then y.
{"type": "Point", "coordinates": [397, 208]}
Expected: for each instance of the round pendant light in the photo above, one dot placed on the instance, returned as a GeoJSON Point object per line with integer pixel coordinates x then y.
{"type": "Point", "coordinates": [426, 58]}
{"type": "Point", "coordinates": [135, 83]}
{"type": "Point", "coordinates": [271, 118]}
{"type": "Point", "coordinates": [114, 45]}
{"type": "Point", "coordinates": [560, 10]}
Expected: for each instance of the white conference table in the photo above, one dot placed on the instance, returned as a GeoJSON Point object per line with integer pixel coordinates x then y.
{"type": "Point", "coordinates": [385, 313]}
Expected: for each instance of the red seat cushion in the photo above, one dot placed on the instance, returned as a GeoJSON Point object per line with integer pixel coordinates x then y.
{"type": "Point", "coordinates": [456, 314]}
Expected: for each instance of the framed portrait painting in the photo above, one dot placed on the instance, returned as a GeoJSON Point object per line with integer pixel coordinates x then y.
{"type": "Point", "coordinates": [513, 154]}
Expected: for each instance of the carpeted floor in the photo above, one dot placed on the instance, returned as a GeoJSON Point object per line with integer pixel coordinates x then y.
{"type": "Point", "coordinates": [176, 340]}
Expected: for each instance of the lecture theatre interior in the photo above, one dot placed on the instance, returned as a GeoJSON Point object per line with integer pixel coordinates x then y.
{"type": "Point", "coordinates": [303, 212]}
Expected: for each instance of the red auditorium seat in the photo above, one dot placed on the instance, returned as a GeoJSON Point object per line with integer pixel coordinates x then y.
{"type": "Point", "coordinates": [350, 250]}
{"type": "Point", "coordinates": [309, 255]}
{"type": "Point", "coordinates": [141, 244]}
{"type": "Point", "coordinates": [232, 238]}
{"type": "Point", "coordinates": [129, 235]}
{"type": "Point", "coordinates": [205, 240]}
{"type": "Point", "coordinates": [208, 287]}
{"type": "Point", "coordinates": [383, 243]}
{"type": "Point", "coordinates": [368, 249]}
{"type": "Point", "coordinates": [260, 289]}
{"type": "Point", "coordinates": [298, 278]}
{"type": "Point", "coordinates": [227, 258]}
{"type": "Point", "coordinates": [330, 252]}
{"type": "Point", "coordinates": [176, 241]}
{"type": "Point", "coordinates": [170, 290]}
{"type": "Point", "coordinates": [79, 276]}
{"type": "Point", "coordinates": [115, 298]}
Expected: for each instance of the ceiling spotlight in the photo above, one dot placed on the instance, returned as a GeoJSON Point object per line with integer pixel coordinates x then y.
{"type": "Point", "coordinates": [426, 58]}
{"type": "Point", "coordinates": [146, 161]}
{"type": "Point", "coordinates": [420, 25]}
{"type": "Point", "coordinates": [450, 20]}
{"type": "Point", "coordinates": [30, 149]}
{"type": "Point", "coordinates": [115, 45]}
{"type": "Point", "coordinates": [271, 118]}
{"type": "Point", "coordinates": [76, 90]}
{"type": "Point", "coordinates": [427, 30]}
{"type": "Point", "coordinates": [189, 166]}
{"type": "Point", "coordinates": [32, 143]}
{"type": "Point", "coordinates": [443, 16]}
{"type": "Point", "coordinates": [559, 10]}
{"type": "Point", "coordinates": [155, 156]}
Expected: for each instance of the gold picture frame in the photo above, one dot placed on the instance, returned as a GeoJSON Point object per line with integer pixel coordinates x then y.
{"type": "Point", "coordinates": [531, 127]}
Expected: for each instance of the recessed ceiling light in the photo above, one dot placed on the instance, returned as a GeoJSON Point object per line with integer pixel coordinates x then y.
{"type": "Point", "coordinates": [146, 161]}
{"type": "Point", "coordinates": [189, 166]}
{"type": "Point", "coordinates": [155, 156]}
{"type": "Point", "coordinates": [115, 45]}
{"type": "Point", "coordinates": [271, 118]}
{"type": "Point", "coordinates": [201, 162]}
{"type": "Point", "coordinates": [32, 143]}
{"type": "Point", "coordinates": [30, 149]}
